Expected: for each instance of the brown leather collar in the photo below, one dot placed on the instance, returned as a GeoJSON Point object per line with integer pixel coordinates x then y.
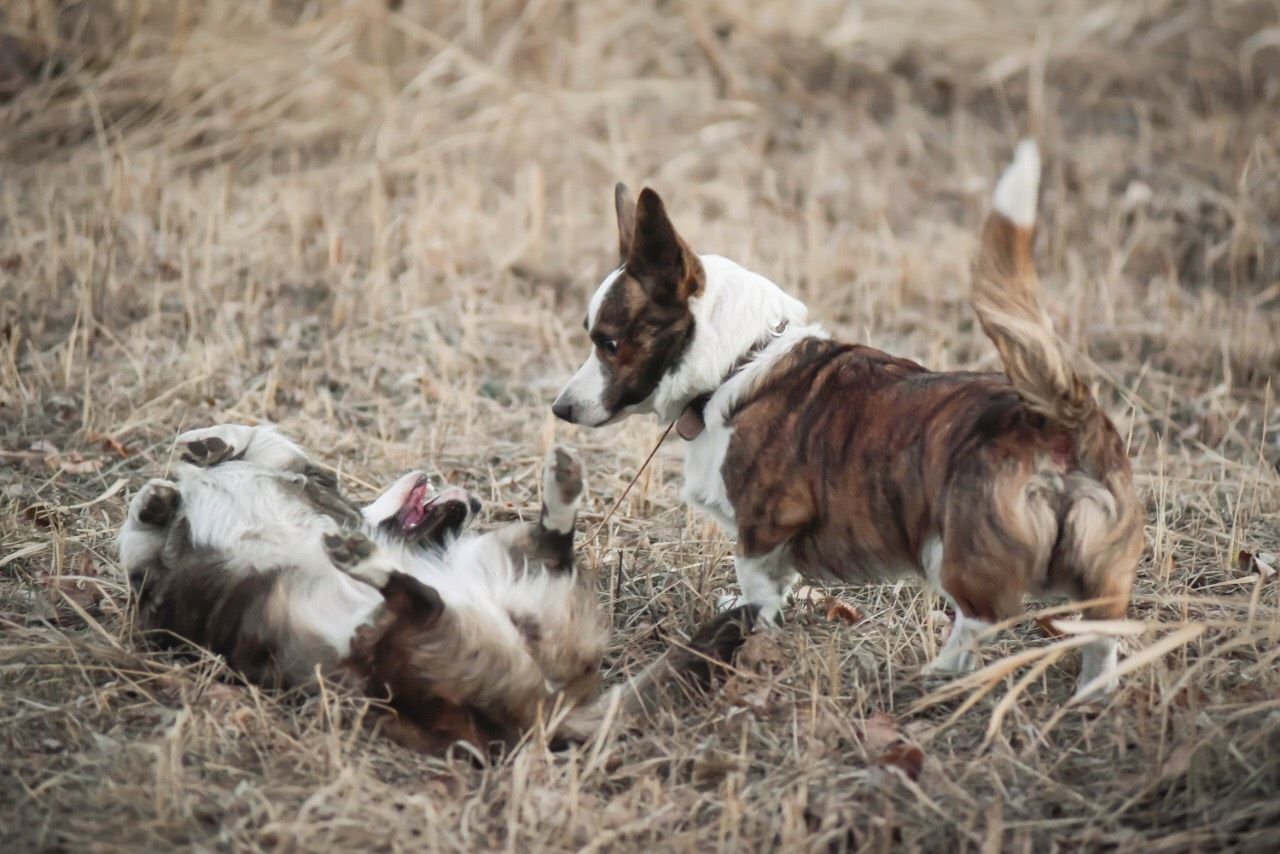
{"type": "Point", "coordinates": [691, 422]}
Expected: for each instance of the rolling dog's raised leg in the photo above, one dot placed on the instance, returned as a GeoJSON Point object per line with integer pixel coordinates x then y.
{"type": "Point", "coordinates": [261, 445]}
{"type": "Point", "coordinates": [407, 597]}
{"type": "Point", "coordinates": [549, 541]}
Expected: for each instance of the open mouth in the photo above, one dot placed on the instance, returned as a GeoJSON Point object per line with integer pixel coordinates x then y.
{"type": "Point", "coordinates": [417, 506]}
{"type": "Point", "coordinates": [427, 516]}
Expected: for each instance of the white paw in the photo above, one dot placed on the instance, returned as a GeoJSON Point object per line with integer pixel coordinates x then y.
{"type": "Point", "coordinates": [358, 556]}
{"type": "Point", "coordinates": [561, 489]}
{"type": "Point", "coordinates": [951, 663]}
{"type": "Point", "coordinates": [728, 602]}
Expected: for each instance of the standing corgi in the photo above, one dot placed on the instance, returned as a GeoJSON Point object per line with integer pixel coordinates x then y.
{"type": "Point", "coordinates": [846, 464]}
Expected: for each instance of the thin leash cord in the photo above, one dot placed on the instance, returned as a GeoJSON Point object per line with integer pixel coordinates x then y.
{"type": "Point", "coordinates": [622, 497]}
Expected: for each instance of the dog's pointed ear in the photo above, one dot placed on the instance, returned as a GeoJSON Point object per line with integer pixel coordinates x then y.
{"type": "Point", "coordinates": [625, 204]}
{"type": "Point", "coordinates": [658, 258]}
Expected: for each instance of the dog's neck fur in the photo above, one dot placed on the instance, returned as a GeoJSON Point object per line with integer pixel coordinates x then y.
{"type": "Point", "coordinates": [736, 309]}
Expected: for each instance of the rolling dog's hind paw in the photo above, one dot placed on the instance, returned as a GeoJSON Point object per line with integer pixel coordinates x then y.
{"type": "Point", "coordinates": [156, 502]}
{"type": "Point", "coordinates": [206, 452]}
{"type": "Point", "coordinates": [261, 445]}
{"type": "Point", "coordinates": [562, 484]}
{"type": "Point", "coordinates": [208, 446]}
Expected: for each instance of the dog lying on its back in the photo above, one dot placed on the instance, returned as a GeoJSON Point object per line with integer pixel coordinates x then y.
{"type": "Point", "coordinates": [253, 553]}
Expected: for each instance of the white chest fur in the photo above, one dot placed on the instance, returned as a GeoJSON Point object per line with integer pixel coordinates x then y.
{"type": "Point", "coordinates": [703, 479]}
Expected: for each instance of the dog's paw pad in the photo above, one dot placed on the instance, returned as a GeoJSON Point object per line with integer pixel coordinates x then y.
{"type": "Point", "coordinates": [347, 550]}
{"type": "Point", "coordinates": [157, 503]}
{"type": "Point", "coordinates": [205, 452]}
{"type": "Point", "coordinates": [564, 472]}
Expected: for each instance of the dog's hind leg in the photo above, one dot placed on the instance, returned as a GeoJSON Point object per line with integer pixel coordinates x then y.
{"type": "Point", "coordinates": [562, 486]}
{"type": "Point", "coordinates": [1104, 541]}
{"type": "Point", "coordinates": [996, 543]}
{"type": "Point", "coordinates": [549, 541]}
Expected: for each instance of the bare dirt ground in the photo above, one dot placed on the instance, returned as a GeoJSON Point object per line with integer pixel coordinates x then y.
{"type": "Point", "coordinates": [378, 227]}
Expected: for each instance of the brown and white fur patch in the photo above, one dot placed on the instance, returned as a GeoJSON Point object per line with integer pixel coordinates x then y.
{"type": "Point", "coordinates": [844, 463]}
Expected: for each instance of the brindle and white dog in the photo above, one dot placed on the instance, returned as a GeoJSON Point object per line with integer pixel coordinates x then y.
{"type": "Point", "coordinates": [252, 552]}
{"type": "Point", "coordinates": [848, 464]}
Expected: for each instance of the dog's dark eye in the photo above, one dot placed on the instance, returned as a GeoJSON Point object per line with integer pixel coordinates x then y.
{"type": "Point", "coordinates": [608, 345]}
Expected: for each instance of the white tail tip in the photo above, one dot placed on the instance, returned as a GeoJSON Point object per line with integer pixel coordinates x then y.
{"type": "Point", "coordinates": [1015, 194]}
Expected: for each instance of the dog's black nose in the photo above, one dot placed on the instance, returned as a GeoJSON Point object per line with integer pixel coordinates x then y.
{"type": "Point", "coordinates": [562, 410]}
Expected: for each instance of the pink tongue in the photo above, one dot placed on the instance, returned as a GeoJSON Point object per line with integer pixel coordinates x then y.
{"type": "Point", "coordinates": [412, 512]}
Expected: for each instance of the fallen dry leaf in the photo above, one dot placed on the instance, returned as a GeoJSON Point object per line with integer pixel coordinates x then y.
{"type": "Point", "coordinates": [906, 758]}
{"type": "Point", "coordinates": [747, 693]}
{"type": "Point", "coordinates": [1048, 628]}
{"type": "Point", "coordinates": [84, 592]}
{"type": "Point", "coordinates": [1263, 563]}
{"type": "Point", "coordinates": [880, 731]}
{"type": "Point", "coordinates": [1178, 763]}
{"type": "Point", "coordinates": [761, 648]}
{"type": "Point", "coordinates": [943, 621]}
{"type": "Point", "coordinates": [711, 765]}
{"type": "Point", "coordinates": [110, 444]}
{"type": "Point", "coordinates": [838, 609]}
{"type": "Point", "coordinates": [74, 463]}
{"type": "Point", "coordinates": [809, 597]}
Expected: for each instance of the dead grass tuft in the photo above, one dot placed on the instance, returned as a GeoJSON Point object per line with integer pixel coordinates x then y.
{"type": "Point", "coordinates": [379, 229]}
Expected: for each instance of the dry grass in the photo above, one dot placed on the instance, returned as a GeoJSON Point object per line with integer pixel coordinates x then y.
{"type": "Point", "coordinates": [379, 229]}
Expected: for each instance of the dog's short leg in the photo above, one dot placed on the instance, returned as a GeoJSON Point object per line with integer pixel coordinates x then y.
{"type": "Point", "coordinates": [561, 495]}
{"type": "Point", "coordinates": [261, 445]}
{"type": "Point", "coordinates": [561, 490]}
{"type": "Point", "coordinates": [764, 580]}
{"type": "Point", "coordinates": [358, 556]}
{"type": "Point", "coordinates": [960, 653]}
{"type": "Point", "coordinates": [549, 541]}
{"type": "Point", "coordinates": [1099, 657]}
{"type": "Point", "coordinates": [143, 534]}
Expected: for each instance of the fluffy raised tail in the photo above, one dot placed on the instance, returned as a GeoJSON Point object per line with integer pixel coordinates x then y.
{"type": "Point", "coordinates": [1006, 297]}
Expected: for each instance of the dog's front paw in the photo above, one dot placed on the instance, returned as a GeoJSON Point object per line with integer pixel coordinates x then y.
{"type": "Point", "coordinates": [359, 557]}
{"type": "Point", "coordinates": [347, 550]}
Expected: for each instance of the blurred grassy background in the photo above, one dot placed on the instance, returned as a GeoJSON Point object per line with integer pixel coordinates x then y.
{"type": "Point", "coordinates": [378, 224]}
